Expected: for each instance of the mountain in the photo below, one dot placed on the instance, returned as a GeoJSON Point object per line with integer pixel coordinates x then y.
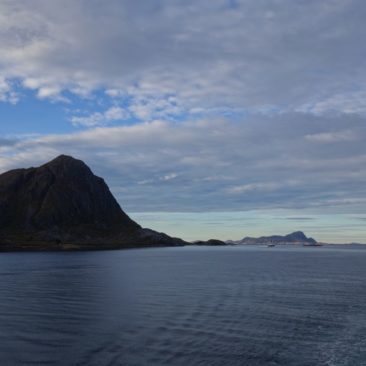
{"type": "Point", "coordinates": [63, 205]}
{"type": "Point", "coordinates": [297, 237]}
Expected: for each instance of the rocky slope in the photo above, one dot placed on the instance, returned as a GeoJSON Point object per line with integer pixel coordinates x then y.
{"type": "Point", "coordinates": [63, 205]}
{"type": "Point", "coordinates": [297, 237]}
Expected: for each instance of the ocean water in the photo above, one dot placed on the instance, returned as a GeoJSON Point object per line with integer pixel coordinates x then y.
{"type": "Point", "coordinates": [184, 306]}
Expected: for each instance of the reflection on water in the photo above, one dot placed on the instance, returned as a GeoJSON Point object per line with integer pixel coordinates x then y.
{"type": "Point", "coordinates": [184, 306]}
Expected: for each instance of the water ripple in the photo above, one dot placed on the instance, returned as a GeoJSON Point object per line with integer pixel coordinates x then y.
{"type": "Point", "coordinates": [184, 306]}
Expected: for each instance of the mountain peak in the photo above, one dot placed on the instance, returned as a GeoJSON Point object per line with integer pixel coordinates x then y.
{"type": "Point", "coordinates": [66, 162]}
{"type": "Point", "coordinates": [297, 235]}
{"type": "Point", "coordinates": [63, 205]}
{"type": "Point", "coordinates": [62, 195]}
{"type": "Point", "coordinates": [64, 157]}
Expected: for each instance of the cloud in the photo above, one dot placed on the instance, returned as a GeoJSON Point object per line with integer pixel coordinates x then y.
{"type": "Point", "coordinates": [169, 176]}
{"type": "Point", "coordinates": [295, 218]}
{"type": "Point", "coordinates": [169, 58]}
{"type": "Point", "coordinates": [7, 142]}
{"type": "Point", "coordinates": [6, 92]}
{"type": "Point", "coordinates": [261, 186]}
{"type": "Point", "coordinates": [216, 164]}
{"type": "Point", "coordinates": [345, 102]}
{"type": "Point", "coordinates": [98, 119]}
{"type": "Point", "coordinates": [152, 107]}
{"type": "Point", "coordinates": [165, 178]}
{"type": "Point", "coordinates": [330, 137]}
{"type": "Point", "coordinates": [360, 218]}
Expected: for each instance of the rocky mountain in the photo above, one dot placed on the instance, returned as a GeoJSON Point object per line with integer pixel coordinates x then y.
{"type": "Point", "coordinates": [297, 237]}
{"type": "Point", "coordinates": [63, 205]}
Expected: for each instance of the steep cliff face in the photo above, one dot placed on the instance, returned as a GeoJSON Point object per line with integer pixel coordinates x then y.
{"type": "Point", "coordinates": [61, 194]}
{"type": "Point", "coordinates": [63, 204]}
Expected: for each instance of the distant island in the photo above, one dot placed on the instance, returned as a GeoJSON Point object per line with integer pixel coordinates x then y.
{"type": "Point", "coordinates": [297, 237]}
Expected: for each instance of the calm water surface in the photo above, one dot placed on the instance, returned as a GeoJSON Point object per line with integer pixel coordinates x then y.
{"type": "Point", "coordinates": [184, 306]}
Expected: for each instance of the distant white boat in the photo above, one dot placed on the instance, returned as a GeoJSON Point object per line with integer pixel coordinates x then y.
{"type": "Point", "coordinates": [271, 245]}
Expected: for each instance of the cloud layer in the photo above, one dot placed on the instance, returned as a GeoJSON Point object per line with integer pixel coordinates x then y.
{"type": "Point", "coordinates": [288, 161]}
{"type": "Point", "coordinates": [167, 58]}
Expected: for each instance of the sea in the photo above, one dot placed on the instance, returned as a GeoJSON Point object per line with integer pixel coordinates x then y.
{"type": "Point", "coordinates": [242, 306]}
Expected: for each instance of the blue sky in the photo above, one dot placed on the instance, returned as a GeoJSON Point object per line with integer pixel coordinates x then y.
{"type": "Point", "coordinates": [206, 118]}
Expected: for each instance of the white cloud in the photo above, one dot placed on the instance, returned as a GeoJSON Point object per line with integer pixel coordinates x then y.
{"type": "Point", "coordinates": [6, 92]}
{"type": "Point", "coordinates": [169, 176]}
{"type": "Point", "coordinates": [257, 56]}
{"type": "Point", "coordinates": [345, 102]}
{"type": "Point", "coordinates": [48, 92]}
{"type": "Point", "coordinates": [97, 118]}
{"type": "Point", "coordinates": [164, 178]}
{"type": "Point", "coordinates": [149, 107]}
{"type": "Point", "coordinates": [260, 186]}
{"type": "Point", "coordinates": [331, 137]}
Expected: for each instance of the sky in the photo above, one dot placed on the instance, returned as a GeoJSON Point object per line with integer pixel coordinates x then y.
{"type": "Point", "coordinates": [207, 118]}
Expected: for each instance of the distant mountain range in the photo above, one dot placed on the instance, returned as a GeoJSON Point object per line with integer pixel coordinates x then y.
{"type": "Point", "coordinates": [297, 237]}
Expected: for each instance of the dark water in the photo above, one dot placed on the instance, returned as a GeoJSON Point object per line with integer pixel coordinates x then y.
{"type": "Point", "coordinates": [184, 306]}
